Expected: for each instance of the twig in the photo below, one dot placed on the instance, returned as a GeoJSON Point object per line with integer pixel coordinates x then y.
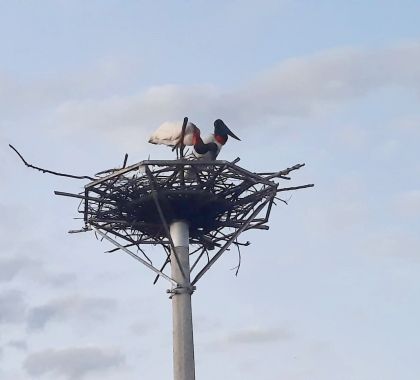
{"type": "Point", "coordinates": [115, 169]}
{"type": "Point", "coordinates": [50, 171]}
{"type": "Point", "coordinates": [239, 258]}
{"type": "Point", "coordinates": [282, 173]}
{"type": "Point", "coordinates": [295, 187]}
{"type": "Point", "coordinates": [125, 161]}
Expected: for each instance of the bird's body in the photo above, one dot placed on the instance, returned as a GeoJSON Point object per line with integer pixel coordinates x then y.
{"type": "Point", "coordinates": [169, 133]}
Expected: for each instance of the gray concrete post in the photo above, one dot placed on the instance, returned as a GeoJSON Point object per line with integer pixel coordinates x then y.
{"type": "Point", "coordinates": [183, 343]}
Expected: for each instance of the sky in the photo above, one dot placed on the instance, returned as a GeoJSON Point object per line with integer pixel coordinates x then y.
{"type": "Point", "coordinates": [331, 291]}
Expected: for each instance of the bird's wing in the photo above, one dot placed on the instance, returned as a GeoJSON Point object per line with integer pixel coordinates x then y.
{"type": "Point", "coordinates": [168, 133]}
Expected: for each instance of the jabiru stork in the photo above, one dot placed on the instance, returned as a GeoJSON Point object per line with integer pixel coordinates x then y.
{"type": "Point", "coordinates": [214, 142]}
{"type": "Point", "coordinates": [170, 134]}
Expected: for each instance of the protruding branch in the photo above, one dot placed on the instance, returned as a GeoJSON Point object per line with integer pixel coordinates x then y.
{"type": "Point", "coordinates": [282, 173]}
{"type": "Point", "coordinates": [50, 171]}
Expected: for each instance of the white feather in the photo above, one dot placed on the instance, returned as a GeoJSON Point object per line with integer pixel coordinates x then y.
{"type": "Point", "coordinates": [169, 134]}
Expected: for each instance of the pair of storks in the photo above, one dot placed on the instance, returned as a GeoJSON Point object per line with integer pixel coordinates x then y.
{"type": "Point", "coordinates": [170, 134]}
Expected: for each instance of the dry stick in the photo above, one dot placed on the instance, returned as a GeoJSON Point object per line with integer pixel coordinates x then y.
{"type": "Point", "coordinates": [163, 220]}
{"type": "Point", "coordinates": [137, 246]}
{"type": "Point", "coordinates": [108, 190]}
{"type": "Point", "coordinates": [242, 244]}
{"type": "Point", "coordinates": [282, 173]}
{"type": "Point", "coordinates": [104, 236]}
{"type": "Point", "coordinates": [184, 125]}
{"type": "Point", "coordinates": [113, 170]}
{"type": "Point", "coordinates": [228, 243]}
{"type": "Point", "coordinates": [295, 187]}
{"type": "Point", "coordinates": [180, 142]}
{"type": "Point", "coordinates": [181, 152]}
{"type": "Point", "coordinates": [167, 261]}
{"type": "Point", "coordinates": [125, 246]}
{"type": "Point", "coordinates": [50, 171]}
{"type": "Point", "coordinates": [197, 176]}
{"type": "Point", "coordinates": [239, 258]}
{"type": "Point", "coordinates": [198, 258]}
{"type": "Point", "coordinates": [99, 200]}
{"type": "Point", "coordinates": [125, 161]}
{"type": "Point", "coordinates": [261, 223]}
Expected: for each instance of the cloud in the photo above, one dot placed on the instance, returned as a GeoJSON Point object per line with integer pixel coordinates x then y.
{"type": "Point", "coordinates": [252, 336]}
{"type": "Point", "coordinates": [20, 345]}
{"type": "Point", "coordinates": [69, 307]}
{"type": "Point", "coordinates": [12, 306]}
{"type": "Point", "coordinates": [141, 328]}
{"type": "Point", "coordinates": [20, 263]}
{"type": "Point", "coordinates": [394, 243]}
{"type": "Point", "coordinates": [257, 335]}
{"type": "Point", "coordinates": [105, 75]}
{"type": "Point", "coordinates": [10, 267]}
{"type": "Point", "coordinates": [295, 87]}
{"type": "Point", "coordinates": [73, 363]}
{"type": "Point", "coordinates": [135, 114]}
{"type": "Point", "coordinates": [340, 74]}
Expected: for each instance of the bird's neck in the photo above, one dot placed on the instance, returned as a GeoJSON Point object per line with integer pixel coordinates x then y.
{"type": "Point", "coordinates": [196, 139]}
{"type": "Point", "coordinates": [201, 148]}
{"type": "Point", "coordinates": [220, 139]}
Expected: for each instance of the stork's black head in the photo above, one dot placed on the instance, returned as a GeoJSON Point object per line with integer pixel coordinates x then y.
{"type": "Point", "coordinates": [221, 129]}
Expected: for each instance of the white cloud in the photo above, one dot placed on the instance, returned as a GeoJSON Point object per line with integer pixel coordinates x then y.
{"type": "Point", "coordinates": [131, 118]}
{"type": "Point", "coordinates": [392, 244]}
{"type": "Point", "coordinates": [106, 75]}
{"type": "Point", "coordinates": [11, 266]}
{"type": "Point", "coordinates": [73, 363]}
{"type": "Point", "coordinates": [251, 336]}
{"type": "Point", "coordinates": [96, 308]}
{"type": "Point", "coordinates": [295, 87]}
{"type": "Point", "coordinates": [258, 335]}
{"type": "Point", "coordinates": [28, 268]}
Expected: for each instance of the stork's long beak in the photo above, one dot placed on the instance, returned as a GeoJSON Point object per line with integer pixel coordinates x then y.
{"type": "Point", "coordinates": [230, 133]}
{"type": "Point", "coordinates": [221, 128]}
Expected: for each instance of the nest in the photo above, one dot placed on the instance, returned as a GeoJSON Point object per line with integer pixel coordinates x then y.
{"type": "Point", "coordinates": [218, 199]}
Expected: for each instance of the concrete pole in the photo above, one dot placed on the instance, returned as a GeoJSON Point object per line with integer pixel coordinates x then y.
{"type": "Point", "coordinates": [183, 344]}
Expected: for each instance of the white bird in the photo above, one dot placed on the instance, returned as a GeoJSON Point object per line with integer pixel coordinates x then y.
{"type": "Point", "coordinates": [214, 142]}
{"type": "Point", "coordinates": [169, 133]}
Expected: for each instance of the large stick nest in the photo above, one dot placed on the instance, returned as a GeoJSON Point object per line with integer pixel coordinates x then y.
{"type": "Point", "coordinates": [218, 199]}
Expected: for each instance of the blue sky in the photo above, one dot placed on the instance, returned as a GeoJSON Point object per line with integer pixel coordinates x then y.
{"type": "Point", "coordinates": [330, 291]}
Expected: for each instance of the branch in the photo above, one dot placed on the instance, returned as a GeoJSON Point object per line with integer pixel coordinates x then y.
{"type": "Point", "coordinates": [50, 171]}
{"type": "Point", "coordinates": [282, 173]}
{"type": "Point", "coordinates": [295, 187]}
{"type": "Point", "coordinates": [239, 259]}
